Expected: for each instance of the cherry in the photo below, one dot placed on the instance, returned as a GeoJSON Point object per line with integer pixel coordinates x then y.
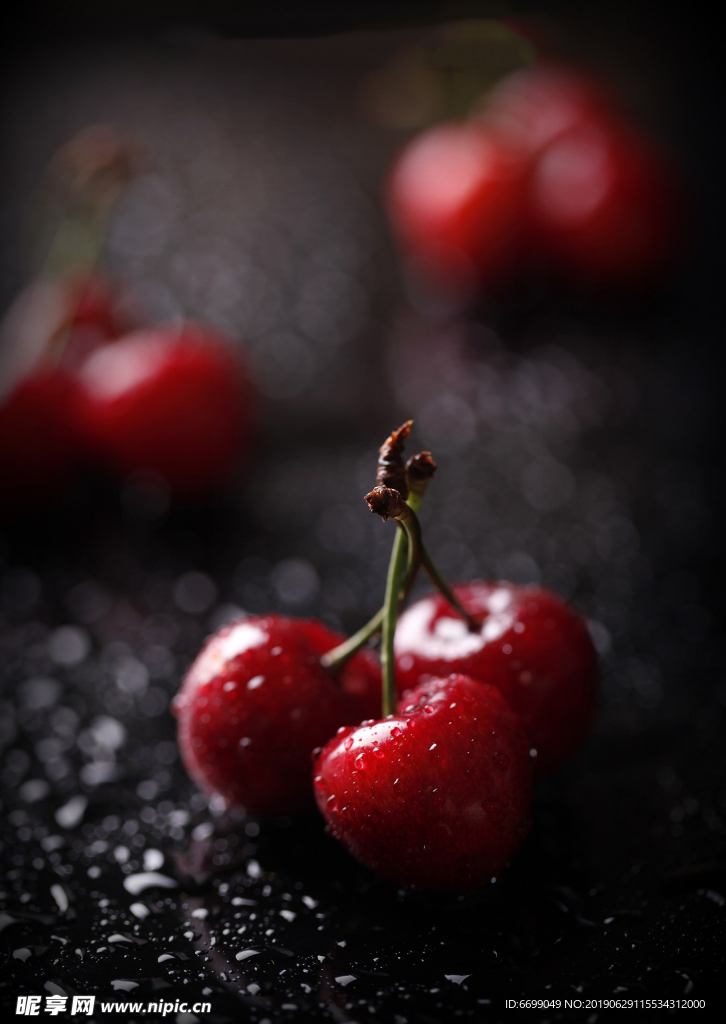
{"type": "Point", "coordinates": [171, 400]}
{"type": "Point", "coordinates": [456, 199]}
{"type": "Point", "coordinates": [257, 701]}
{"type": "Point", "coordinates": [435, 797]}
{"type": "Point", "coordinates": [603, 204]}
{"type": "Point", "coordinates": [533, 647]}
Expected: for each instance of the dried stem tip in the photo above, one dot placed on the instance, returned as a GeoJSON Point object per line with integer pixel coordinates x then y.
{"type": "Point", "coordinates": [419, 470]}
{"type": "Point", "coordinates": [387, 503]}
{"type": "Point", "coordinates": [391, 471]}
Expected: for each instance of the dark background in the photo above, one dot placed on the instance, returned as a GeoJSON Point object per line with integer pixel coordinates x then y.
{"type": "Point", "coordinates": [579, 441]}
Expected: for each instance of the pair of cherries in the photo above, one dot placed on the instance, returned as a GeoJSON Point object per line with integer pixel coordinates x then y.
{"type": "Point", "coordinates": [547, 174]}
{"type": "Point", "coordinates": [168, 402]}
{"type": "Point", "coordinates": [82, 382]}
{"type": "Point", "coordinates": [433, 796]}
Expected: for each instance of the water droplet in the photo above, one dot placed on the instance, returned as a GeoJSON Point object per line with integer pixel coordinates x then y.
{"type": "Point", "coordinates": [144, 880]}
{"type": "Point", "coordinates": [349, 743]}
{"type": "Point", "coordinates": [377, 752]}
{"type": "Point", "coordinates": [153, 859]}
{"type": "Point", "coordinates": [70, 814]}
{"type": "Point", "coordinates": [395, 731]}
{"type": "Point", "coordinates": [60, 896]}
{"type": "Point", "coordinates": [361, 762]}
{"type": "Point", "coordinates": [428, 709]}
{"type": "Point", "coordinates": [432, 747]}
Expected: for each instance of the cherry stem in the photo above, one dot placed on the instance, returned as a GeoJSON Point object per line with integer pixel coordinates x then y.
{"type": "Point", "coordinates": [401, 551]}
{"type": "Point", "coordinates": [391, 605]}
{"type": "Point", "coordinates": [89, 173]}
{"type": "Point", "coordinates": [337, 657]}
{"type": "Point", "coordinates": [413, 528]}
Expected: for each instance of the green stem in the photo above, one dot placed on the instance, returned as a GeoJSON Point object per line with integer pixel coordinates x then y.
{"type": "Point", "coordinates": [413, 529]}
{"type": "Point", "coordinates": [335, 659]}
{"type": "Point", "coordinates": [390, 616]}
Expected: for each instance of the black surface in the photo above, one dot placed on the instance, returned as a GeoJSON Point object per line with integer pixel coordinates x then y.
{"type": "Point", "coordinates": [619, 890]}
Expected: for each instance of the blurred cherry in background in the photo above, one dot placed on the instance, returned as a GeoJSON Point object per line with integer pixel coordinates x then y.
{"type": "Point", "coordinates": [77, 390]}
{"type": "Point", "coordinates": [547, 177]}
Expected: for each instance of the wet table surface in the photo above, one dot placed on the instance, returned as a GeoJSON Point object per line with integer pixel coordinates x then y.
{"type": "Point", "coordinates": [579, 448]}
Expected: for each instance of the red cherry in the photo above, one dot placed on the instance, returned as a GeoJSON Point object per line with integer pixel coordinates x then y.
{"type": "Point", "coordinates": [172, 400]}
{"type": "Point", "coordinates": [455, 197]}
{"type": "Point", "coordinates": [435, 797]}
{"type": "Point", "coordinates": [532, 646]}
{"type": "Point", "coordinates": [49, 322]}
{"type": "Point", "coordinates": [603, 204]}
{"type": "Point", "coordinates": [38, 448]}
{"type": "Point", "coordinates": [257, 702]}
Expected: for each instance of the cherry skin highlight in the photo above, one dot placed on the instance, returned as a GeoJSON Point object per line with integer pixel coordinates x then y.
{"type": "Point", "coordinates": [532, 646]}
{"type": "Point", "coordinates": [257, 702]}
{"type": "Point", "coordinates": [174, 401]}
{"type": "Point", "coordinates": [456, 200]}
{"type": "Point", "coordinates": [435, 797]}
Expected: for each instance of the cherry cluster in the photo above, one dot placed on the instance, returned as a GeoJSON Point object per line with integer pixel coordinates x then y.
{"type": "Point", "coordinates": [483, 685]}
{"type": "Point", "coordinates": [83, 382]}
{"type": "Point", "coordinates": [548, 176]}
